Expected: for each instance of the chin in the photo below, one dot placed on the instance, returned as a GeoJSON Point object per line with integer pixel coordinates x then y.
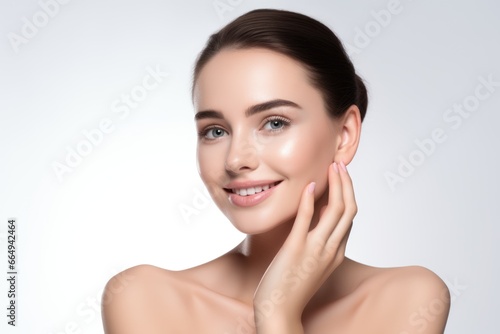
{"type": "Point", "coordinates": [250, 227]}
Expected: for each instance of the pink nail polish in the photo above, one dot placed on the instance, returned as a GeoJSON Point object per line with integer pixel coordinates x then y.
{"type": "Point", "coordinates": [343, 166]}
{"type": "Point", "coordinates": [311, 187]}
{"type": "Point", "coordinates": [335, 167]}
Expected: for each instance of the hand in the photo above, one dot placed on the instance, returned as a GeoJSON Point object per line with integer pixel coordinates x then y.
{"type": "Point", "coordinates": [307, 258]}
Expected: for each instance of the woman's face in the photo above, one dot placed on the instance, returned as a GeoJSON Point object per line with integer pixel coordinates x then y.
{"type": "Point", "coordinates": [291, 141]}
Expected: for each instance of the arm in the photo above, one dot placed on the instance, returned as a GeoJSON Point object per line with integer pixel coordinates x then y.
{"type": "Point", "coordinates": [281, 325]}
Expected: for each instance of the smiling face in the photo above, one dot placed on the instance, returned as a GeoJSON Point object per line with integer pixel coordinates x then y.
{"type": "Point", "coordinates": [260, 119]}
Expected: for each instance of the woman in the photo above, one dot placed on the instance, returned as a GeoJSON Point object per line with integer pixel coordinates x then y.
{"type": "Point", "coordinates": [278, 112]}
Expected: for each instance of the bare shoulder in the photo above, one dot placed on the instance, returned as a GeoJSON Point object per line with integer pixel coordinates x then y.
{"type": "Point", "coordinates": [132, 298]}
{"type": "Point", "coordinates": [407, 300]}
{"type": "Point", "coordinates": [149, 299]}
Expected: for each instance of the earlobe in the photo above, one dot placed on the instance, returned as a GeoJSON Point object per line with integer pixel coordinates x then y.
{"type": "Point", "coordinates": [349, 132]}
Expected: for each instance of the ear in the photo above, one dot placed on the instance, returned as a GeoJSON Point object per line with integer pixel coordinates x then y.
{"type": "Point", "coordinates": [349, 127]}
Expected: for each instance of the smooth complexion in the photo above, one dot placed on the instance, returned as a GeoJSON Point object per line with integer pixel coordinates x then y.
{"type": "Point", "coordinates": [259, 118]}
{"type": "Point", "coordinates": [297, 151]}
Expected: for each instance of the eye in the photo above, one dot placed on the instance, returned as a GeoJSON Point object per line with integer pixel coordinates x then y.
{"type": "Point", "coordinates": [211, 133]}
{"type": "Point", "coordinates": [277, 123]}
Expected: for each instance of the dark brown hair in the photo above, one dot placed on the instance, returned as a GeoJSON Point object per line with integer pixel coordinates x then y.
{"type": "Point", "coordinates": [302, 38]}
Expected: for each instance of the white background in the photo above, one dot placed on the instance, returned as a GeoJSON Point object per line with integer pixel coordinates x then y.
{"type": "Point", "coordinates": [121, 205]}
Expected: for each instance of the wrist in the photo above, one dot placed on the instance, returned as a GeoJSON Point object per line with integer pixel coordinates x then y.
{"type": "Point", "coordinates": [279, 325]}
{"type": "Point", "coordinates": [271, 319]}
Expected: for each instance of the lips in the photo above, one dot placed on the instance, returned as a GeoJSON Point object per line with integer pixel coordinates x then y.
{"type": "Point", "coordinates": [241, 197]}
{"type": "Point", "coordinates": [252, 190]}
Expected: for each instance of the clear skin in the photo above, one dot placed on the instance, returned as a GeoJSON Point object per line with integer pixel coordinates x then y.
{"type": "Point", "coordinates": [290, 274]}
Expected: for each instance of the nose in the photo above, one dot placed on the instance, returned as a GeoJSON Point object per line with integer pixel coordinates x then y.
{"type": "Point", "coordinates": [242, 155]}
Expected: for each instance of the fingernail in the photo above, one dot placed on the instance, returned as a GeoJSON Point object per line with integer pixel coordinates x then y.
{"type": "Point", "coordinates": [343, 166]}
{"type": "Point", "coordinates": [335, 167]}
{"type": "Point", "coordinates": [311, 187]}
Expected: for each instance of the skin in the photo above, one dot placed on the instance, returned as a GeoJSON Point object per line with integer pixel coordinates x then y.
{"type": "Point", "coordinates": [290, 274]}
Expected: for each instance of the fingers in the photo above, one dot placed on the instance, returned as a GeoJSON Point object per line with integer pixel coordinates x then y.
{"type": "Point", "coordinates": [321, 211]}
{"type": "Point", "coordinates": [349, 211]}
{"type": "Point", "coordinates": [305, 213]}
{"type": "Point", "coordinates": [336, 218]}
{"type": "Point", "coordinates": [335, 207]}
{"type": "Point", "coordinates": [341, 207]}
{"type": "Point", "coordinates": [348, 192]}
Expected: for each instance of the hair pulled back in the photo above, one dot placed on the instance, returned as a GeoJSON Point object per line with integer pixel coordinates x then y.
{"type": "Point", "coordinates": [303, 39]}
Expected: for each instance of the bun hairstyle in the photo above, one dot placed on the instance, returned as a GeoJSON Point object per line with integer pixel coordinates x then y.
{"type": "Point", "coordinates": [305, 40]}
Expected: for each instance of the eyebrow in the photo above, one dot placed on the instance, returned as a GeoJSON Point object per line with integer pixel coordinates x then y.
{"type": "Point", "coordinates": [252, 110]}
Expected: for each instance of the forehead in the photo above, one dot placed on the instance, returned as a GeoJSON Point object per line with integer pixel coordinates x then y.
{"type": "Point", "coordinates": [236, 77]}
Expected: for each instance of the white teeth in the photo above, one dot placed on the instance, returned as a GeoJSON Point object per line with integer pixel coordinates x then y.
{"type": "Point", "coordinates": [252, 190]}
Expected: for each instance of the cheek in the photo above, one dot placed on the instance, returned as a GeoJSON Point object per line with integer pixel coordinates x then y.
{"type": "Point", "coordinates": [298, 152]}
{"type": "Point", "coordinates": [210, 164]}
